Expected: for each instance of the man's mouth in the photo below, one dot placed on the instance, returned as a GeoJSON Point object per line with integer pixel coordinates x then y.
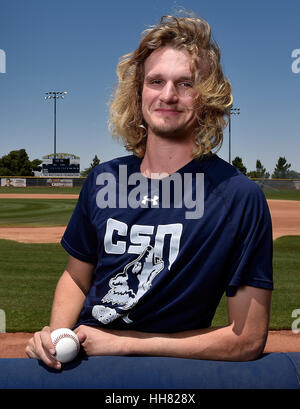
{"type": "Point", "coordinates": [168, 111]}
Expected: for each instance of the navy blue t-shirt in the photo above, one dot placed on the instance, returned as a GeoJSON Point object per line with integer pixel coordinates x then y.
{"type": "Point", "coordinates": [165, 250]}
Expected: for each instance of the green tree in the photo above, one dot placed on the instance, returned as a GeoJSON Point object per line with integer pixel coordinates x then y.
{"type": "Point", "coordinates": [238, 164]}
{"type": "Point", "coordinates": [294, 175]}
{"type": "Point", "coordinates": [281, 170]}
{"type": "Point", "coordinates": [17, 163]}
{"type": "Point", "coordinates": [96, 162]}
{"type": "Point", "coordinates": [260, 172]}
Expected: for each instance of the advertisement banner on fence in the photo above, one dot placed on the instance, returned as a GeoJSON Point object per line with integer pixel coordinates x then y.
{"type": "Point", "coordinates": [59, 182]}
{"type": "Point", "coordinates": [13, 182]}
{"type": "Point", "coordinates": [297, 184]}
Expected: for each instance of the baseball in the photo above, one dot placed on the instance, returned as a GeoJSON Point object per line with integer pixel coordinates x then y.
{"type": "Point", "coordinates": [66, 344]}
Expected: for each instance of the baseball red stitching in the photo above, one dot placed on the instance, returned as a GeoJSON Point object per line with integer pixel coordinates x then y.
{"type": "Point", "coordinates": [61, 336]}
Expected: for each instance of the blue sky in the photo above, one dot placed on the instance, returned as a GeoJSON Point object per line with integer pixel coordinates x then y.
{"type": "Point", "coordinates": [74, 46]}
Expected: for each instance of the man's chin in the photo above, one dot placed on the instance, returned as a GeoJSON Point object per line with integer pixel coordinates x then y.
{"type": "Point", "coordinates": [168, 133]}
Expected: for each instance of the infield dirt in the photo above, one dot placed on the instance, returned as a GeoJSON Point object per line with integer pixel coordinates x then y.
{"type": "Point", "coordinates": [285, 216]}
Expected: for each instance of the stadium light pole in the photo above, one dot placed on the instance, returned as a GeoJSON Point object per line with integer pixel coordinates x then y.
{"type": "Point", "coordinates": [55, 95]}
{"type": "Point", "coordinates": [233, 111]}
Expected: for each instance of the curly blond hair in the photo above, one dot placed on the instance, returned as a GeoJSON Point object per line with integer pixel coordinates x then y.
{"type": "Point", "coordinates": [214, 94]}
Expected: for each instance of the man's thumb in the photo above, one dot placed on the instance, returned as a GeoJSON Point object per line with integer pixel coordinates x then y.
{"type": "Point", "coordinates": [81, 336]}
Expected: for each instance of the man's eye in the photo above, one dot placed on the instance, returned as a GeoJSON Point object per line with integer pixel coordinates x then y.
{"type": "Point", "coordinates": [156, 82]}
{"type": "Point", "coordinates": [186, 84]}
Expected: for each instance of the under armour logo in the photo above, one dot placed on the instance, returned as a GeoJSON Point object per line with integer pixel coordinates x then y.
{"type": "Point", "coordinates": [147, 199]}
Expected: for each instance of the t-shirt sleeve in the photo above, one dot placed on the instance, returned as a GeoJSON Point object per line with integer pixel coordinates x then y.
{"type": "Point", "coordinates": [252, 256]}
{"type": "Point", "coordinates": [80, 238]}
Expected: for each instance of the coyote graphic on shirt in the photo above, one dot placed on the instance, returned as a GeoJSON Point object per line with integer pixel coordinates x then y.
{"type": "Point", "coordinates": [128, 286]}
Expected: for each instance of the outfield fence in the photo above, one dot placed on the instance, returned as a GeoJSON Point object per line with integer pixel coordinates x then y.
{"type": "Point", "coordinates": [40, 181]}
{"type": "Point", "coordinates": [278, 184]}
{"type": "Point", "coordinates": [43, 181]}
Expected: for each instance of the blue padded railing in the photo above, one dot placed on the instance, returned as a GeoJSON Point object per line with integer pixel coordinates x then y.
{"type": "Point", "coordinates": [270, 371]}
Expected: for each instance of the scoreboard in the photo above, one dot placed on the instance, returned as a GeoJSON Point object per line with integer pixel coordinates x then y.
{"type": "Point", "coordinates": [61, 167]}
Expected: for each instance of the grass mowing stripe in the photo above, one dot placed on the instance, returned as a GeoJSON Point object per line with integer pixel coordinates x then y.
{"type": "Point", "coordinates": [283, 194]}
{"type": "Point", "coordinates": [41, 189]}
{"type": "Point", "coordinates": [36, 212]}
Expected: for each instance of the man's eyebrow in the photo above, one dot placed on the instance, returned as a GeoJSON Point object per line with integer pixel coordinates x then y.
{"type": "Point", "coordinates": [186, 78]}
{"type": "Point", "coordinates": [157, 75]}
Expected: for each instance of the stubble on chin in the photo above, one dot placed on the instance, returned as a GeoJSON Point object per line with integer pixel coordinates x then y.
{"type": "Point", "coordinates": [168, 132]}
{"type": "Point", "coordinates": [171, 132]}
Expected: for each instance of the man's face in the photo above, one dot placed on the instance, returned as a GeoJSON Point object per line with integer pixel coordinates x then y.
{"type": "Point", "coordinates": [168, 93]}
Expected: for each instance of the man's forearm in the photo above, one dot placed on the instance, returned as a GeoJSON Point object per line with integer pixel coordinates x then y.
{"type": "Point", "coordinates": [213, 344]}
{"type": "Point", "coordinates": [67, 303]}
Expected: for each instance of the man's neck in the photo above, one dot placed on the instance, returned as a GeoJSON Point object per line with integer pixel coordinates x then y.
{"type": "Point", "coordinates": [165, 156]}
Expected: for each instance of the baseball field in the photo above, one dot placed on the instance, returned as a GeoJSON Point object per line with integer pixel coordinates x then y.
{"type": "Point", "coordinates": [32, 222]}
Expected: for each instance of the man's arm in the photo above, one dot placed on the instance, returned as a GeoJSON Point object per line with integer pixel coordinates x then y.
{"type": "Point", "coordinates": [242, 340]}
{"type": "Point", "coordinates": [70, 294]}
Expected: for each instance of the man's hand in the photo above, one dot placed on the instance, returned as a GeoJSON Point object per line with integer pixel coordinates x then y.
{"type": "Point", "coordinates": [40, 346]}
{"type": "Point", "coordinates": [69, 296]}
{"type": "Point", "coordinates": [99, 341]}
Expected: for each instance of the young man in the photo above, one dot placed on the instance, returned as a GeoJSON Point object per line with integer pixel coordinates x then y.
{"type": "Point", "coordinates": [157, 237]}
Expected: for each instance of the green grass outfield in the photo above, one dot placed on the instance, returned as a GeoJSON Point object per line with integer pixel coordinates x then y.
{"type": "Point", "coordinates": [28, 277]}
{"type": "Point", "coordinates": [29, 273]}
{"type": "Point", "coordinates": [36, 212]}
{"type": "Point", "coordinates": [283, 195]}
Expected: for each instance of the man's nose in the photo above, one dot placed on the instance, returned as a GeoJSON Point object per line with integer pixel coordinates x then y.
{"type": "Point", "coordinates": [169, 93]}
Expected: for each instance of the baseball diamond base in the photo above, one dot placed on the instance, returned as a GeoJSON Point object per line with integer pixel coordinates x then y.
{"type": "Point", "coordinates": [271, 371]}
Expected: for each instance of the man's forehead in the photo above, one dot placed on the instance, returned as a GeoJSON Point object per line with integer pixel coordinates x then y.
{"type": "Point", "coordinates": [197, 67]}
{"type": "Point", "coordinates": [168, 59]}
